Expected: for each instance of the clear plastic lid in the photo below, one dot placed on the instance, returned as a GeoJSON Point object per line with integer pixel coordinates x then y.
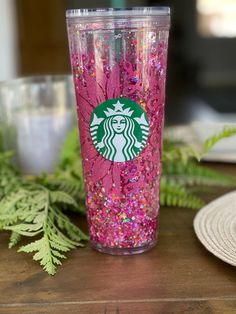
{"type": "Point", "coordinates": [119, 12]}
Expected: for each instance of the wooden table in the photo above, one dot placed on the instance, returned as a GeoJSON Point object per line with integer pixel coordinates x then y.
{"type": "Point", "coordinates": [178, 276]}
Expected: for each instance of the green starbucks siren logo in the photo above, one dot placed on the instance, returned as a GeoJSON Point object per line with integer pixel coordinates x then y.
{"type": "Point", "coordinates": [119, 129]}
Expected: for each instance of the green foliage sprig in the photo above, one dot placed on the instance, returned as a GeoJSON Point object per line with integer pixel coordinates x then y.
{"type": "Point", "coordinates": [178, 150]}
{"type": "Point", "coordinates": [36, 207]}
{"type": "Point", "coordinates": [34, 211]}
{"type": "Point", "coordinates": [181, 170]}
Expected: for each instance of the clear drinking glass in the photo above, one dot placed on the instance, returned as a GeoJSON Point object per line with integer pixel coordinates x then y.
{"type": "Point", "coordinates": [118, 59]}
{"type": "Point", "coordinates": [36, 113]}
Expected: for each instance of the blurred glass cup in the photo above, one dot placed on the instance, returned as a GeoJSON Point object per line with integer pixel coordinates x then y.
{"type": "Point", "coordinates": [36, 114]}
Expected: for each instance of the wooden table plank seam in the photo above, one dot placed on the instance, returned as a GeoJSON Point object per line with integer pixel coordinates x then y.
{"type": "Point", "coordinates": [225, 298]}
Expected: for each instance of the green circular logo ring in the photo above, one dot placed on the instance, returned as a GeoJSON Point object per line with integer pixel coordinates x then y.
{"type": "Point", "coordinates": [119, 128]}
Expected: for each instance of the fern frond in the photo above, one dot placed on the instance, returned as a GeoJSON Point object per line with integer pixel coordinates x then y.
{"type": "Point", "coordinates": [181, 152]}
{"type": "Point", "coordinates": [8, 208]}
{"type": "Point", "coordinates": [65, 224]}
{"type": "Point", "coordinates": [194, 174]}
{"type": "Point", "coordinates": [48, 249]}
{"type": "Point", "coordinates": [71, 185]}
{"type": "Point", "coordinates": [43, 254]}
{"type": "Point", "coordinates": [62, 197]}
{"type": "Point", "coordinates": [227, 131]}
{"type": "Point", "coordinates": [14, 239]}
{"type": "Point", "coordinates": [176, 195]}
{"type": "Point", "coordinates": [35, 212]}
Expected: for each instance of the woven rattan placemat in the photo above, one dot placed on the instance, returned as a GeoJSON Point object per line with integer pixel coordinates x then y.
{"type": "Point", "coordinates": [215, 226]}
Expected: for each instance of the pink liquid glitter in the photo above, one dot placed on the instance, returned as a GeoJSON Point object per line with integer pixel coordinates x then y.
{"type": "Point", "coordinates": [120, 59]}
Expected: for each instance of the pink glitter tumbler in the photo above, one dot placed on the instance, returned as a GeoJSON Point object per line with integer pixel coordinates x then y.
{"type": "Point", "coordinates": [118, 59]}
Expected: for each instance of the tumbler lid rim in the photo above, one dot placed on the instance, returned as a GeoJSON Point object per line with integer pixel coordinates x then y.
{"type": "Point", "coordinates": [119, 12]}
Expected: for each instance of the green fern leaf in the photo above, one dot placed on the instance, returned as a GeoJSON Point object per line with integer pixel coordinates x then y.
{"type": "Point", "coordinates": [21, 228]}
{"type": "Point", "coordinates": [176, 195]}
{"type": "Point", "coordinates": [65, 224]}
{"type": "Point", "coordinates": [62, 197]}
{"type": "Point", "coordinates": [181, 153]}
{"type": "Point", "coordinates": [31, 247]}
{"type": "Point", "coordinates": [34, 211]}
{"type": "Point", "coordinates": [44, 253]}
{"type": "Point", "coordinates": [48, 248]}
{"type": "Point", "coordinates": [194, 174]}
{"type": "Point", "coordinates": [72, 186]}
{"type": "Point", "coordinates": [227, 131]}
{"type": "Point", "coordinates": [14, 239]}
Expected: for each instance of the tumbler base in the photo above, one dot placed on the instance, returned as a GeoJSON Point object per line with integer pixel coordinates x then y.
{"type": "Point", "coordinates": [123, 251]}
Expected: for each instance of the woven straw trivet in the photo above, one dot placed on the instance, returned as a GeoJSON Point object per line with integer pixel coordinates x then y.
{"type": "Point", "coordinates": [215, 226]}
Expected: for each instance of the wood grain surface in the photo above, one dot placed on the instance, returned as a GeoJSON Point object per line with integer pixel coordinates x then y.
{"type": "Point", "coordinates": [177, 276]}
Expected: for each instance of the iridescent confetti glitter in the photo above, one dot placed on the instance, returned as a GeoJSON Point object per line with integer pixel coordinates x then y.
{"type": "Point", "coordinates": [111, 61]}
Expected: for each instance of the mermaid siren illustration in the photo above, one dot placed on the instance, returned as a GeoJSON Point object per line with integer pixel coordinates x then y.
{"type": "Point", "coordinates": [119, 130]}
